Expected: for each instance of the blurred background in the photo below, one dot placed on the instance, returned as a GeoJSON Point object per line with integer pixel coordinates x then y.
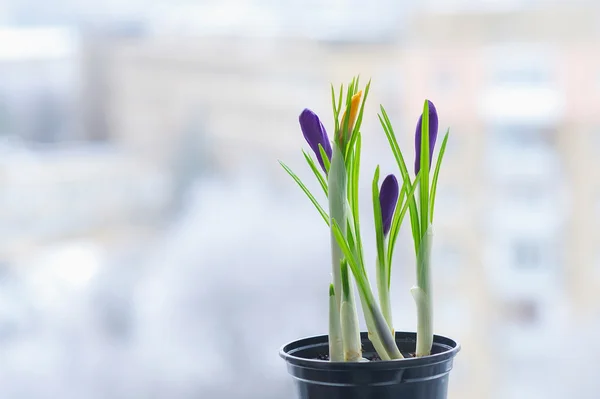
{"type": "Point", "coordinates": [152, 247]}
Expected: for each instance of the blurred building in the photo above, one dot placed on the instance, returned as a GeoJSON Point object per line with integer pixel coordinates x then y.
{"type": "Point", "coordinates": [518, 197]}
{"type": "Point", "coordinates": [54, 183]}
{"type": "Point", "coordinates": [38, 83]}
{"type": "Point", "coordinates": [60, 194]}
{"type": "Point", "coordinates": [233, 88]}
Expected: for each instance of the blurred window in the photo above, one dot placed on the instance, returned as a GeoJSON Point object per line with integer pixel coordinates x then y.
{"type": "Point", "coordinates": [520, 65]}
{"type": "Point", "coordinates": [5, 117]}
{"type": "Point", "coordinates": [522, 312]}
{"type": "Point", "coordinates": [530, 194]}
{"type": "Point", "coordinates": [48, 118]}
{"type": "Point", "coordinates": [523, 137]}
{"type": "Point", "coordinates": [521, 74]}
{"type": "Point", "coordinates": [526, 255]}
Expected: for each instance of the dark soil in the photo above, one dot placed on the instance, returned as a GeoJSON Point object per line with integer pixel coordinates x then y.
{"type": "Point", "coordinates": [372, 357]}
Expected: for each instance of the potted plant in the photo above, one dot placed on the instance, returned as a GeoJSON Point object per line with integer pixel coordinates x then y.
{"type": "Point", "coordinates": [379, 363]}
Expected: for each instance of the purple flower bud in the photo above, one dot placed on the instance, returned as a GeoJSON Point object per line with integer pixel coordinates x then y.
{"type": "Point", "coordinates": [433, 130]}
{"type": "Point", "coordinates": [315, 134]}
{"type": "Point", "coordinates": [388, 196]}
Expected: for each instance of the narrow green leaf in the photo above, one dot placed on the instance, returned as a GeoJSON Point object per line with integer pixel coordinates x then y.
{"type": "Point", "coordinates": [331, 290]}
{"type": "Point", "coordinates": [339, 109]}
{"type": "Point", "coordinates": [362, 109]}
{"type": "Point", "coordinates": [425, 162]}
{"type": "Point", "coordinates": [355, 177]}
{"type": "Point", "coordinates": [395, 229]}
{"type": "Point", "coordinates": [436, 174]}
{"type": "Point", "coordinates": [350, 234]}
{"type": "Point", "coordinates": [316, 171]}
{"type": "Point", "coordinates": [307, 192]}
{"type": "Point", "coordinates": [335, 111]}
{"type": "Point", "coordinates": [381, 264]}
{"type": "Point", "coordinates": [353, 240]}
{"type": "Point", "coordinates": [396, 223]}
{"type": "Point", "coordinates": [324, 157]}
{"type": "Point", "coordinates": [352, 261]}
{"type": "Point", "coordinates": [333, 99]}
{"type": "Point", "coordinates": [345, 280]}
{"type": "Point", "coordinates": [359, 118]}
{"type": "Point", "coordinates": [346, 117]}
{"type": "Point", "coordinates": [389, 130]}
{"type": "Point", "coordinates": [349, 167]}
{"type": "Point", "coordinates": [351, 143]}
{"type": "Point", "coordinates": [391, 136]}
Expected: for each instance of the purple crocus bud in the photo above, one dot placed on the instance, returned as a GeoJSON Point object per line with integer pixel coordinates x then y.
{"type": "Point", "coordinates": [388, 196]}
{"type": "Point", "coordinates": [433, 130]}
{"type": "Point", "coordinates": [315, 134]}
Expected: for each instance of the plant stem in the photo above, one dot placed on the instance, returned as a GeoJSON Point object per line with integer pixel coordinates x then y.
{"type": "Point", "coordinates": [335, 329]}
{"type": "Point", "coordinates": [350, 330]}
{"type": "Point", "coordinates": [422, 296]}
{"type": "Point", "coordinates": [384, 294]}
{"type": "Point", "coordinates": [375, 321]}
{"type": "Point", "coordinates": [381, 329]}
{"type": "Point", "coordinates": [373, 333]}
{"type": "Point", "coordinates": [343, 289]}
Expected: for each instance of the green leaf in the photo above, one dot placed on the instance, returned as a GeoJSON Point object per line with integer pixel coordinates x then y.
{"type": "Point", "coordinates": [307, 192]}
{"type": "Point", "coordinates": [324, 157]}
{"type": "Point", "coordinates": [333, 100]}
{"type": "Point", "coordinates": [345, 280]}
{"type": "Point", "coordinates": [350, 236]}
{"type": "Point", "coordinates": [357, 125]}
{"type": "Point", "coordinates": [335, 111]}
{"type": "Point", "coordinates": [349, 194]}
{"type": "Point", "coordinates": [396, 228]}
{"type": "Point", "coordinates": [381, 264]}
{"type": "Point", "coordinates": [362, 109]}
{"type": "Point", "coordinates": [353, 166]}
{"type": "Point", "coordinates": [436, 174]}
{"type": "Point", "coordinates": [331, 290]}
{"type": "Point", "coordinates": [346, 120]}
{"type": "Point", "coordinates": [391, 136]}
{"type": "Point", "coordinates": [355, 178]}
{"type": "Point", "coordinates": [396, 224]}
{"type": "Point", "coordinates": [354, 242]}
{"type": "Point", "coordinates": [316, 171]}
{"type": "Point", "coordinates": [392, 236]}
{"type": "Point", "coordinates": [425, 162]}
{"type": "Point", "coordinates": [352, 261]}
{"type": "Point", "coordinates": [349, 167]}
{"type": "Point", "coordinates": [339, 108]}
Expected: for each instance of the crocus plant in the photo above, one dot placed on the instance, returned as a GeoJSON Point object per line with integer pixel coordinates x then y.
{"type": "Point", "coordinates": [338, 173]}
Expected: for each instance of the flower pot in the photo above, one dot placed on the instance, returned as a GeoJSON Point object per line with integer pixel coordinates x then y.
{"type": "Point", "coordinates": [409, 378]}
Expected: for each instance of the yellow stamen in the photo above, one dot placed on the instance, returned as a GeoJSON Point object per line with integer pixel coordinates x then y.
{"type": "Point", "coordinates": [354, 107]}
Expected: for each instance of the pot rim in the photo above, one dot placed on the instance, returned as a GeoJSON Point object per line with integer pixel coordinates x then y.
{"type": "Point", "coordinates": [449, 347]}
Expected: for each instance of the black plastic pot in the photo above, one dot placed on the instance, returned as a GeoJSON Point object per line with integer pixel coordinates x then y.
{"type": "Point", "coordinates": [409, 378]}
